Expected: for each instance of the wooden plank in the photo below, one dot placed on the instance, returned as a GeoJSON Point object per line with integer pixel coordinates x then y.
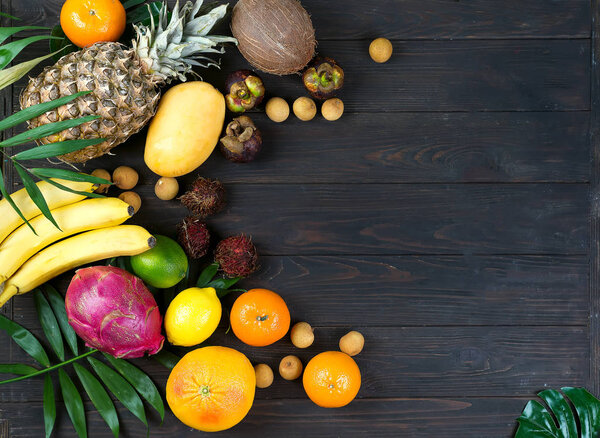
{"type": "Point", "coordinates": [452, 76]}
{"type": "Point", "coordinates": [444, 418]}
{"type": "Point", "coordinates": [396, 219]}
{"type": "Point", "coordinates": [415, 291]}
{"type": "Point", "coordinates": [415, 361]}
{"type": "Point", "coordinates": [595, 206]}
{"type": "Point", "coordinates": [446, 76]}
{"type": "Point", "coordinates": [415, 19]}
{"type": "Point", "coordinates": [501, 290]}
{"type": "Point", "coordinates": [423, 147]}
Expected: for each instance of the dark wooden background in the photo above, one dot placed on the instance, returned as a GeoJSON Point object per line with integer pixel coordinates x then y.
{"type": "Point", "coordinates": [451, 216]}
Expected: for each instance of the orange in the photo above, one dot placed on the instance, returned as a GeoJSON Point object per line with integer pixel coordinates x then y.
{"type": "Point", "coordinates": [259, 317]}
{"type": "Point", "coordinates": [86, 22]}
{"type": "Point", "coordinates": [331, 379]}
{"type": "Point", "coordinates": [211, 388]}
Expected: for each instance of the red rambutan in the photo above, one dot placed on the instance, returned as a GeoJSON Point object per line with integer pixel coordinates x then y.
{"type": "Point", "coordinates": [237, 256]}
{"type": "Point", "coordinates": [194, 236]}
{"type": "Point", "coordinates": [205, 197]}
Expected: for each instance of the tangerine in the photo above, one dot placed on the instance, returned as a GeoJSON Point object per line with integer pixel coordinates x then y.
{"type": "Point", "coordinates": [86, 22]}
{"type": "Point", "coordinates": [259, 317]}
{"type": "Point", "coordinates": [211, 388]}
{"type": "Point", "coordinates": [331, 379]}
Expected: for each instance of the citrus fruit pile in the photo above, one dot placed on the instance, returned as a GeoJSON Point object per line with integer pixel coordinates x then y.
{"type": "Point", "coordinates": [212, 388]}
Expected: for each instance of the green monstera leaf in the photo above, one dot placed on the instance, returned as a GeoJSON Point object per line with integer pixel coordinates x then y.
{"type": "Point", "coordinates": [569, 413]}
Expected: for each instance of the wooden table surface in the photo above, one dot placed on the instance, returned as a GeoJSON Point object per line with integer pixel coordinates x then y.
{"type": "Point", "coordinates": [451, 216]}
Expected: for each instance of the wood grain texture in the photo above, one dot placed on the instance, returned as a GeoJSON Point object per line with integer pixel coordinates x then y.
{"type": "Point", "coordinates": [422, 418]}
{"type": "Point", "coordinates": [416, 19]}
{"type": "Point", "coordinates": [412, 219]}
{"type": "Point", "coordinates": [396, 219]}
{"type": "Point", "coordinates": [445, 76]}
{"type": "Point", "coordinates": [421, 147]}
{"type": "Point", "coordinates": [415, 361]}
{"type": "Point", "coordinates": [415, 291]}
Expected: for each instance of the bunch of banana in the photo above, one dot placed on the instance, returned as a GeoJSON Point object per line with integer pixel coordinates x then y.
{"type": "Point", "coordinates": [29, 259]}
{"type": "Point", "coordinates": [54, 197]}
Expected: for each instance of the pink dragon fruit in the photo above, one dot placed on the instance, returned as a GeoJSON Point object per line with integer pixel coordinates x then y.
{"type": "Point", "coordinates": [113, 311]}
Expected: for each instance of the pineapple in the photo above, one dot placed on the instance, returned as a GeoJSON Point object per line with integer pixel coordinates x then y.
{"type": "Point", "coordinates": [124, 82]}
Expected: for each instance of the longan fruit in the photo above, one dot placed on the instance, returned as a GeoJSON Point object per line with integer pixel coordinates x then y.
{"type": "Point", "coordinates": [380, 50]}
{"type": "Point", "coordinates": [104, 174]}
{"type": "Point", "coordinates": [290, 367]}
{"type": "Point", "coordinates": [133, 199]}
{"type": "Point", "coordinates": [264, 375]}
{"type": "Point", "coordinates": [277, 109]}
{"type": "Point", "coordinates": [166, 188]}
{"type": "Point", "coordinates": [352, 343]}
{"type": "Point", "coordinates": [125, 177]}
{"type": "Point", "coordinates": [305, 108]}
{"type": "Point", "coordinates": [332, 109]}
{"type": "Point", "coordinates": [302, 335]}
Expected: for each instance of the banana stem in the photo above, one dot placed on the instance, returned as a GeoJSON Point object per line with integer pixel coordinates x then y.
{"type": "Point", "coordinates": [45, 370]}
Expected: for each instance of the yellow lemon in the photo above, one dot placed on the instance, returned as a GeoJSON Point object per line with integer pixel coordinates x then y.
{"type": "Point", "coordinates": [192, 316]}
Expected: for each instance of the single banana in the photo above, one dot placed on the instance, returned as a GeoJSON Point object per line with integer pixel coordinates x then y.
{"type": "Point", "coordinates": [86, 215]}
{"type": "Point", "coordinates": [75, 251]}
{"type": "Point", "coordinates": [54, 197]}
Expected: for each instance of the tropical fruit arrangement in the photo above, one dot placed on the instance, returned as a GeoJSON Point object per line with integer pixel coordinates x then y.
{"type": "Point", "coordinates": [133, 293]}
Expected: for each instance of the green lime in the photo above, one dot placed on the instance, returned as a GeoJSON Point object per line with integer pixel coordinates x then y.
{"type": "Point", "coordinates": [163, 266]}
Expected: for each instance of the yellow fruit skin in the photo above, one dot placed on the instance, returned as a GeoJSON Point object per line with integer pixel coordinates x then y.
{"type": "Point", "coordinates": [54, 197]}
{"type": "Point", "coordinates": [193, 316]}
{"type": "Point", "coordinates": [185, 129]}
{"type": "Point", "coordinates": [85, 215]}
{"type": "Point", "coordinates": [226, 373]}
{"type": "Point", "coordinates": [88, 247]}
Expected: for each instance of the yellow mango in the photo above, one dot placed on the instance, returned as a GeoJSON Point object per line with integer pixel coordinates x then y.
{"type": "Point", "coordinates": [185, 129]}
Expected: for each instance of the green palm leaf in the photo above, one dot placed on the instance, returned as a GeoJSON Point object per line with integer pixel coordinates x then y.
{"type": "Point", "coordinates": [37, 110]}
{"type": "Point", "coordinates": [99, 398]}
{"type": "Point", "coordinates": [9, 51]}
{"type": "Point", "coordinates": [58, 306]}
{"type": "Point", "coordinates": [6, 196]}
{"type": "Point", "coordinates": [140, 381]}
{"type": "Point", "coordinates": [17, 368]}
{"type": "Point", "coordinates": [166, 358]}
{"type": "Point", "coordinates": [69, 189]}
{"type": "Point", "coordinates": [55, 149]}
{"type": "Point", "coordinates": [120, 388]}
{"type": "Point", "coordinates": [207, 275]}
{"type": "Point", "coordinates": [25, 340]}
{"type": "Point", "coordinates": [49, 406]}
{"type": "Point", "coordinates": [68, 175]}
{"type": "Point", "coordinates": [35, 194]}
{"type": "Point", "coordinates": [7, 32]}
{"type": "Point", "coordinates": [73, 403]}
{"type": "Point", "coordinates": [558, 419]}
{"type": "Point", "coordinates": [49, 324]}
{"type": "Point", "coordinates": [4, 14]}
{"type": "Point", "coordinates": [13, 74]}
{"type": "Point", "coordinates": [45, 130]}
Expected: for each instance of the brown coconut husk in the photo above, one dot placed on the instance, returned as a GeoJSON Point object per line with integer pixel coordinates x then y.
{"type": "Point", "coordinates": [275, 36]}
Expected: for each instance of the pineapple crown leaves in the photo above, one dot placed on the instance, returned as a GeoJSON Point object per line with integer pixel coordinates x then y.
{"type": "Point", "coordinates": [173, 46]}
{"type": "Point", "coordinates": [125, 381]}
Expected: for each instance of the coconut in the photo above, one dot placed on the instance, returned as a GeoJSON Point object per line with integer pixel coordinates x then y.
{"type": "Point", "coordinates": [275, 36]}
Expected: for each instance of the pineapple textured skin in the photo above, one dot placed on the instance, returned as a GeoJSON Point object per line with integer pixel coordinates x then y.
{"type": "Point", "coordinates": [122, 93]}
